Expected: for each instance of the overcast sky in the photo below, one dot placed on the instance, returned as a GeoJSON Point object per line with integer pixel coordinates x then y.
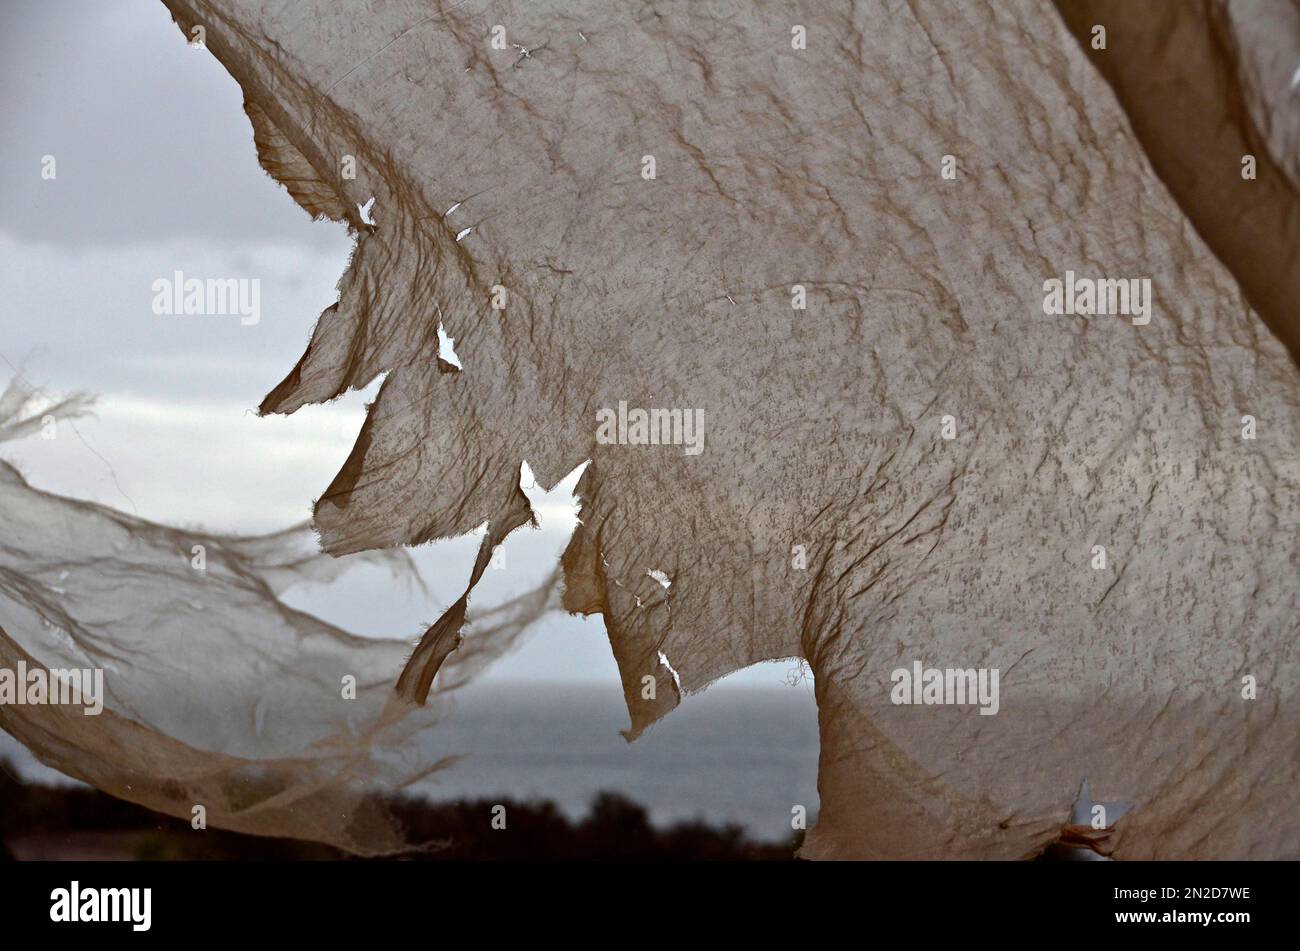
{"type": "Point", "coordinates": [156, 172]}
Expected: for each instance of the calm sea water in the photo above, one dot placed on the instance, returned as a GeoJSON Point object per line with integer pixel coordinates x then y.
{"type": "Point", "coordinates": [741, 755]}
{"type": "Point", "coordinates": [732, 754]}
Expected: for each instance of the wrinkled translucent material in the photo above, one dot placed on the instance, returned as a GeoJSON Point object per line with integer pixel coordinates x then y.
{"type": "Point", "coordinates": [216, 693]}
{"type": "Point", "coordinates": [821, 167]}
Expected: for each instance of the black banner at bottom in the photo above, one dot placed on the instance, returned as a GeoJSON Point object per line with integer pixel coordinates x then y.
{"type": "Point", "coordinates": [137, 901]}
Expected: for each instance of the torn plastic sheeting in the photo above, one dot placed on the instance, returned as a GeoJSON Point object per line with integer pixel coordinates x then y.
{"type": "Point", "coordinates": [820, 167]}
{"type": "Point", "coordinates": [215, 692]}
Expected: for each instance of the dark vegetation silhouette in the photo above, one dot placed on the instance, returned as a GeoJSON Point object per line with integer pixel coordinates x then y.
{"type": "Point", "coordinates": [69, 821]}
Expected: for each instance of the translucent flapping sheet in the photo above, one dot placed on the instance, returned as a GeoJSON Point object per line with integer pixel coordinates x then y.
{"type": "Point", "coordinates": [826, 238]}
